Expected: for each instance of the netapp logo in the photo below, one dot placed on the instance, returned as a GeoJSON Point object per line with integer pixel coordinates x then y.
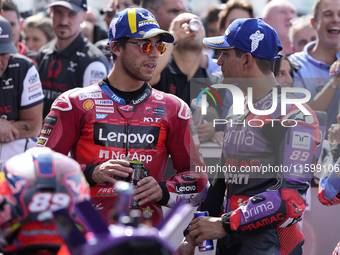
{"type": "Point", "coordinates": [116, 136]}
{"type": "Point", "coordinates": [186, 188]}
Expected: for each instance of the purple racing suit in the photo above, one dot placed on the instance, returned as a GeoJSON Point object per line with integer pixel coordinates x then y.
{"type": "Point", "coordinates": [262, 179]}
{"type": "Point", "coordinates": [329, 185]}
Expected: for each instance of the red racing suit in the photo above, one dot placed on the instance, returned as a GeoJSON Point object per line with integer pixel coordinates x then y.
{"type": "Point", "coordinates": [94, 125]}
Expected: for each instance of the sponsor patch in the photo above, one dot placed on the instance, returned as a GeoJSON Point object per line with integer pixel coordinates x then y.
{"type": "Point", "coordinates": [147, 212]}
{"type": "Point", "coordinates": [154, 110]}
{"type": "Point", "coordinates": [33, 79]}
{"type": "Point", "coordinates": [90, 95]}
{"type": "Point", "coordinates": [100, 116]}
{"type": "Point", "coordinates": [35, 96]}
{"type": "Point", "coordinates": [104, 109]}
{"type": "Point", "coordinates": [50, 120]}
{"type": "Point", "coordinates": [42, 141]}
{"type": "Point", "coordinates": [159, 96]}
{"type": "Point", "coordinates": [301, 140]}
{"type": "Point", "coordinates": [95, 74]}
{"type": "Point", "coordinates": [237, 201]}
{"type": "Point", "coordinates": [140, 99]}
{"type": "Point", "coordinates": [46, 131]}
{"type": "Point", "coordinates": [109, 135]}
{"type": "Point", "coordinates": [34, 87]}
{"type": "Point", "coordinates": [88, 104]}
{"type": "Point", "coordinates": [110, 190]}
{"type": "Point", "coordinates": [116, 154]}
{"type": "Point", "coordinates": [7, 84]}
{"type": "Point", "coordinates": [186, 188]}
{"type": "Point", "coordinates": [127, 108]}
{"type": "Point", "coordinates": [13, 65]}
{"type": "Point", "coordinates": [151, 119]}
{"type": "Point", "coordinates": [103, 102]}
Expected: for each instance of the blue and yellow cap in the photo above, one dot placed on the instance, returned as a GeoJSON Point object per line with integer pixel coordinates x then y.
{"type": "Point", "coordinates": [136, 23]}
{"type": "Point", "coordinates": [249, 35]}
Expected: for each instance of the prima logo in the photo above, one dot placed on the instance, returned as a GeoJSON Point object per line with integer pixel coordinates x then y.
{"type": "Point", "coordinates": [256, 210]}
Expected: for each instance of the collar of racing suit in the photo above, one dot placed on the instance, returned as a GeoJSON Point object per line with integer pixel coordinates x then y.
{"type": "Point", "coordinates": [133, 97]}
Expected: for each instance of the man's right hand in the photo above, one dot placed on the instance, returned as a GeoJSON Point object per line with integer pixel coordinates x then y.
{"type": "Point", "coordinates": [111, 168]}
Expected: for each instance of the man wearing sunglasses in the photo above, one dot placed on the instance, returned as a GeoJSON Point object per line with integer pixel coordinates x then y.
{"type": "Point", "coordinates": [123, 118]}
{"type": "Point", "coordinates": [113, 7]}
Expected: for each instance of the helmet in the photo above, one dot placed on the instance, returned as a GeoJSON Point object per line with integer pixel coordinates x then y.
{"type": "Point", "coordinates": [32, 185]}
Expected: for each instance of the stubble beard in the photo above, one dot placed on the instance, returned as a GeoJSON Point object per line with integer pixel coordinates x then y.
{"type": "Point", "coordinates": [134, 72]}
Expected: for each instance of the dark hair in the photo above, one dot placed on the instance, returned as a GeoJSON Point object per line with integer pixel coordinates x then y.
{"type": "Point", "coordinates": [9, 5]}
{"type": "Point", "coordinates": [277, 65]}
{"type": "Point", "coordinates": [212, 14]}
{"type": "Point", "coordinates": [122, 42]}
{"type": "Point", "coordinates": [266, 66]}
{"type": "Point", "coordinates": [231, 5]}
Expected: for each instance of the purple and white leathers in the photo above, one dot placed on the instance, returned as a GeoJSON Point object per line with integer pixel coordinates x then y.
{"type": "Point", "coordinates": [125, 237]}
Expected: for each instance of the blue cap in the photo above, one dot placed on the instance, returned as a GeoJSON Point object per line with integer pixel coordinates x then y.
{"type": "Point", "coordinates": [249, 35]}
{"type": "Point", "coordinates": [136, 23]}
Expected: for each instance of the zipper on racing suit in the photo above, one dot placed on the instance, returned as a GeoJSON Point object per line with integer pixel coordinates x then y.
{"type": "Point", "coordinates": [127, 139]}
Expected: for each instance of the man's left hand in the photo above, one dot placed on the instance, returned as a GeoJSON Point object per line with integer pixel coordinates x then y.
{"type": "Point", "coordinates": [148, 190]}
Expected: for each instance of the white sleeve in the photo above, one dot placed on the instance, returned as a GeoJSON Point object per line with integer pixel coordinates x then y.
{"type": "Point", "coordinates": [94, 72]}
{"type": "Point", "coordinates": [32, 89]}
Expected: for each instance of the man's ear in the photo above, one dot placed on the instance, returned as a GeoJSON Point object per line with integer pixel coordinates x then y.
{"type": "Point", "coordinates": [84, 16]}
{"type": "Point", "coordinates": [293, 48]}
{"type": "Point", "coordinates": [247, 59]}
{"type": "Point", "coordinates": [313, 22]}
{"type": "Point", "coordinates": [115, 48]}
